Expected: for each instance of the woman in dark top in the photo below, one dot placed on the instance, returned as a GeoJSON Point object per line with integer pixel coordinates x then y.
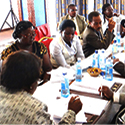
{"type": "Point", "coordinates": [24, 34]}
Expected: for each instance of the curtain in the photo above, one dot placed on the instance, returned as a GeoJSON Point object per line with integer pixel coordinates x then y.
{"type": "Point", "coordinates": [33, 10]}
{"type": "Point", "coordinates": [122, 9]}
{"type": "Point", "coordinates": [98, 5]}
{"type": "Point", "coordinates": [19, 9]}
{"type": "Point", "coordinates": [116, 5]}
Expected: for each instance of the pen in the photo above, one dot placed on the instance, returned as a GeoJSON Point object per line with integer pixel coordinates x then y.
{"type": "Point", "coordinates": [101, 89]}
{"type": "Point", "coordinates": [121, 120]}
{"type": "Point", "coordinates": [102, 74]}
{"type": "Point", "coordinates": [76, 99]}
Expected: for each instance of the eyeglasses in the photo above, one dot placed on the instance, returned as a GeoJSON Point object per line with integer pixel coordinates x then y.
{"type": "Point", "coordinates": [72, 10]}
{"type": "Point", "coordinates": [33, 34]}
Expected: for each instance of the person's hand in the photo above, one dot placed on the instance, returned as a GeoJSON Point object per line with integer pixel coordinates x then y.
{"type": "Point", "coordinates": [46, 77]}
{"type": "Point", "coordinates": [111, 24]}
{"type": "Point", "coordinates": [106, 92]}
{"type": "Point", "coordinates": [123, 29]}
{"type": "Point", "coordinates": [116, 14]}
{"type": "Point", "coordinates": [75, 105]}
{"type": "Point", "coordinates": [115, 60]}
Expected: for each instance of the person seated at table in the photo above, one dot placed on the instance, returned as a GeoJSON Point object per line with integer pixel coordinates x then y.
{"type": "Point", "coordinates": [108, 13]}
{"type": "Point", "coordinates": [93, 38]}
{"type": "Point", "coordinates": [122, 28]}
{"type": "Point", "coordinates": [24, 34]}
{"type": "Point", "coordinates": [119, 67]}
{"type": "Point", "coordinates": [66, 48]}
{"type": "Point", "coordinates": [19, 76]}
{"type": "Point", "coordinates": [117, 98]}
{"type": "Point", "coordinates": [79, 20]}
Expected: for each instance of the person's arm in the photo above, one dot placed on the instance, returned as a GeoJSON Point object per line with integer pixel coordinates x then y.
{"type": "Point", "coordinates": [122, 98]}
{"type": "Point", "coordinates": [122, 31]}
{"type": "Point", "coordinates": [106, 92]}
{"type": "Point", "coordinates": [41, 116]}
{"type": "Point", "coordinates": [94, 40]}
{"type": "Point", "coordinates": [58, 55]}
{"type": "Point", "coordinates": [111, 25]}
{"type": "Point", "coordinates": [116, 14]}
{"type": "Point", "coordinates": [79, 49]}
{"type": "Point", "coordinates": [120, 68]}
{"type": "Point", "coordinates": [116, 96]}
{"type": "Point", "coordinates": [74, 107]}
{"type": "Point", "coordinates": [84, 23]}
{"type": "Point", "coordinates": [47, 66]}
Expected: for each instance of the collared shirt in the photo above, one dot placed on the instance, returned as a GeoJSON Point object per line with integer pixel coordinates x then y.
{"type": "Point", "coordinates": [99, 34]}
{"type": "Point", "coordinates": [117, 20]}
{"type": "Point", "coordinates": [22, 108]}
{"type": "Point", "coordinates": [61, 54]}
{"type": "Point", "coordinates": [116, 96]}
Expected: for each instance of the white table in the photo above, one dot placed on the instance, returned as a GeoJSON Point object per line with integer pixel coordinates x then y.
{"type": "Point", "coordinates": [49, 92]}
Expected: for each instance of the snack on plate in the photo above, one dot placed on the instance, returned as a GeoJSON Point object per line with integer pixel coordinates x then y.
{"type": "Point", "coordinates": [94, 71]}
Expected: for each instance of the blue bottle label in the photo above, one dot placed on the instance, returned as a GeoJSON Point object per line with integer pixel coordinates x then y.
{"type": "Point", "coordinates": [79, 74]}
{"type": "Point", "coordinates": [109, 73]}
{"type": "Point", "coordinates": [65, 88]}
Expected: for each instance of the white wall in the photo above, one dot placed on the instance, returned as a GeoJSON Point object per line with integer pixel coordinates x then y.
{"type": "Point", "coordinates": [4, 10]}
{"type": "Point", "coordinates": [51, 15]}
{"type": "Point", "coordinates": [90, 6]}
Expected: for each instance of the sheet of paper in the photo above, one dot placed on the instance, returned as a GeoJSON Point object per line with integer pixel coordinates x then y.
{"type": "Point", "coordinates": [61, 106]}
{"type": "Point", "coordinates": [56, 74]}
{"type": "Point", "coordinates": [90, 105]}
{"type": "Point", "coordinates": [90, 84]}
{"type": "Point", "coordinates": [93, 105]}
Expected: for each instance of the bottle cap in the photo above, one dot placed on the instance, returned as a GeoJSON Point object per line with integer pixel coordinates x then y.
{"type": "Point", "coordinates": [115, 41]}
{"type": "Point", "coordinates": [79, 59]}
{"type": "Point", "coordinates": [64, 73]}
{"type": "Point", "coordinates": [102, 73]}
{"type": "Point", "coordinates": [102, 51]}
{"type": "Point", "coordinates": [96, 51]}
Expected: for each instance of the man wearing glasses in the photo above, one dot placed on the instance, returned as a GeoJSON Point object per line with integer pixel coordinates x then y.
{"type": "Point", "coordinates": [76, 18]}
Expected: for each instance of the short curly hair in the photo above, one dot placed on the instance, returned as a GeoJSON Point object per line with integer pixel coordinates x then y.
{"type": "Point", "coordinates": [20, 70]}
{"type": "Point", "coordinates": [21, 26]}
{"type": "Point", "coordinates": [93, 14]}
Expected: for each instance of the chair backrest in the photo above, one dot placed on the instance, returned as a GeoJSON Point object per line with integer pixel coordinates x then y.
{"type": "Point", "coordinates": [46, 41]}
{"type": "Point", "coordinates": [42, 31]}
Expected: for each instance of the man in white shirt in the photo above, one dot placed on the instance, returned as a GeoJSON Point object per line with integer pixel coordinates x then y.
{"type": "Point", "coordinates": [108, 12]}
{"type": "Point", "coordinates": [76, 18]}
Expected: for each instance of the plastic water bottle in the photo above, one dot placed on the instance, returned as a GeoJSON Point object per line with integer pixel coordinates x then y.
{"type": "Point", "coordinates": [118, 40]}
{"type": "Point", "coordinates": [65, 85]}
{"type": "Point", "coordinates": [109, 70]}
{"type": "Point", "coordinates": [102, 60]}
{"type": "Point", "coordinates": [114, 47]}
{"type": "Point", "coordinates": [95, 60]}
{"type": "Point", "coordinates": [78, 71]}
{"type": "Point", "coordinates": [124, 43]}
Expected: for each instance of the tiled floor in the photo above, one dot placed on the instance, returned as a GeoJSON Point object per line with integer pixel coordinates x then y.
{"type": "Point", "coordinates": [6, 39]}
